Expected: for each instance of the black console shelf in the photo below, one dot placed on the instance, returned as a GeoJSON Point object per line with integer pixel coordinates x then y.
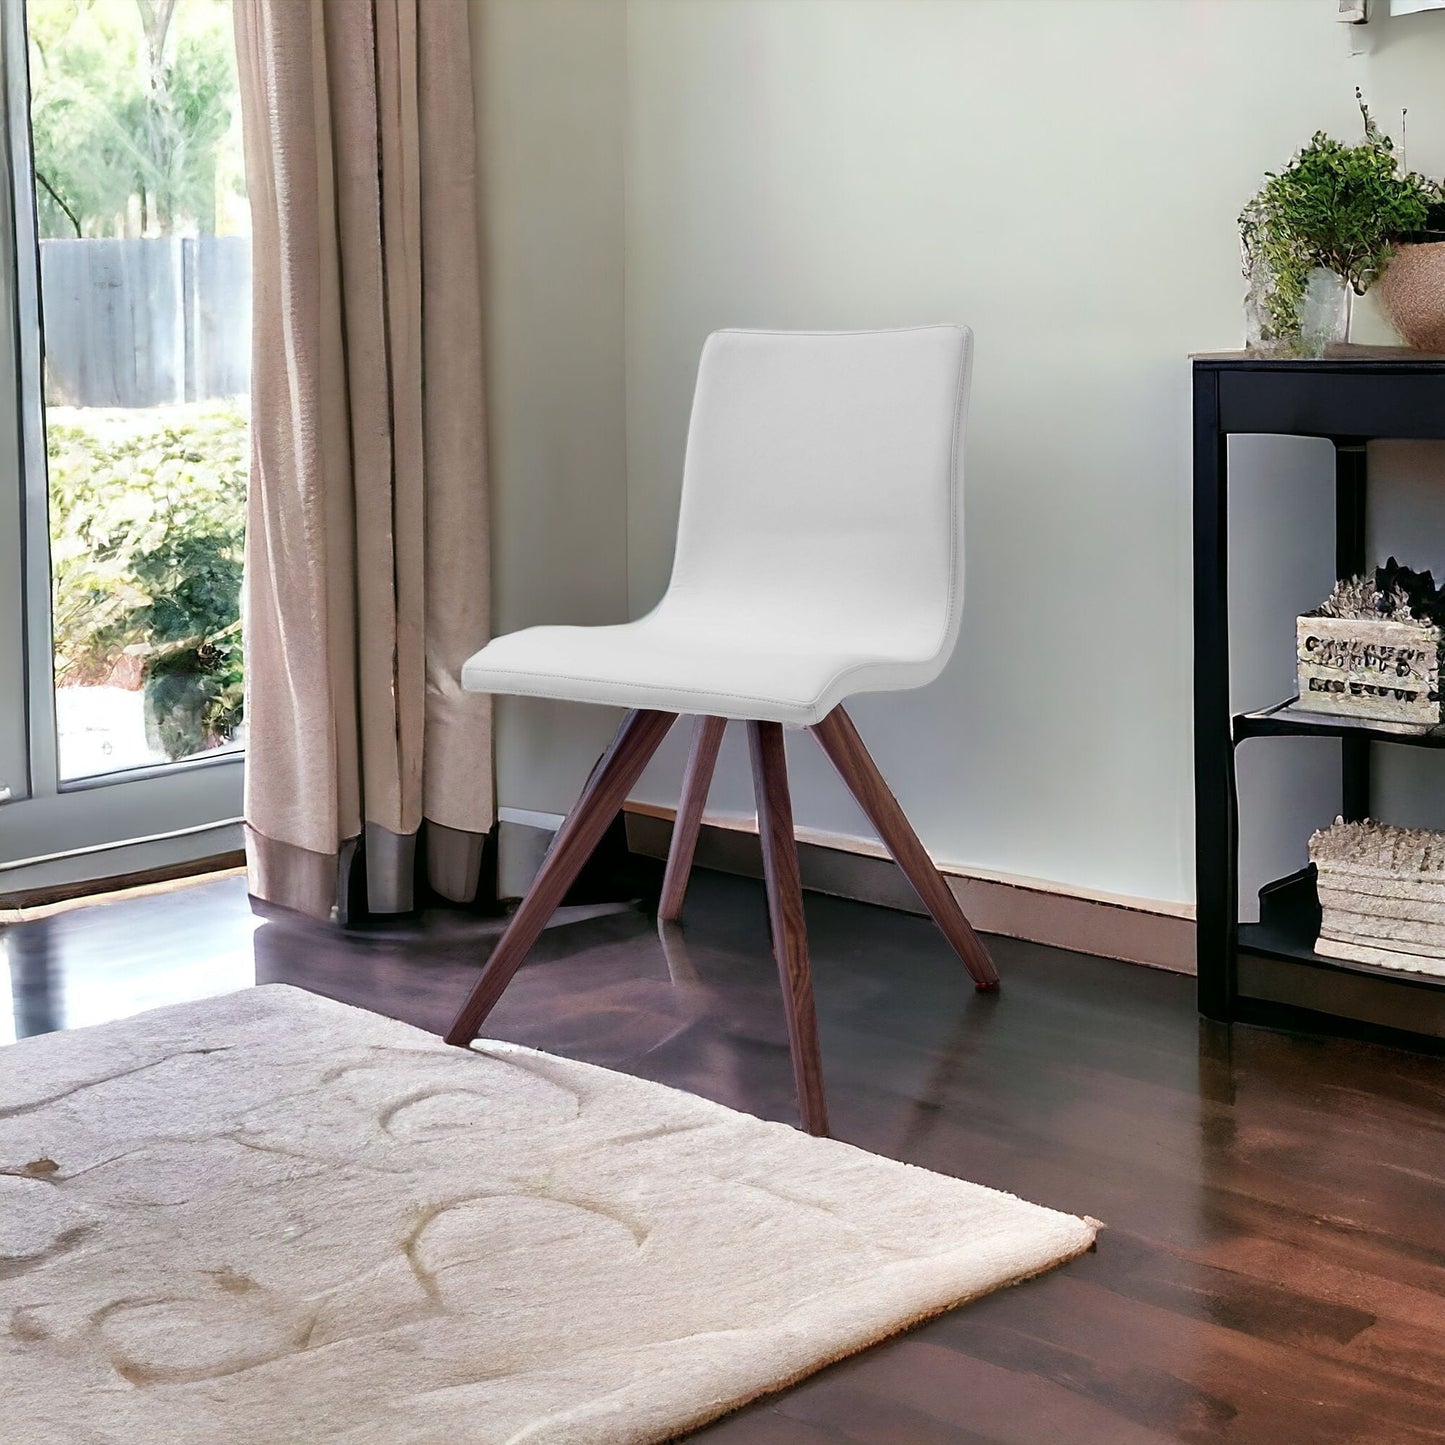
{"type": "Point", "coordinates": [1283, 721]}
{"type": "Point", "coordinates": [1268, 972]}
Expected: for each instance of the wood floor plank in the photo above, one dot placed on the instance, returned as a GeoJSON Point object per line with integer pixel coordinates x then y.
{"type": "Point", "coordinates": [1273, 1271]}
{"type": "Point", "coordinates": [964, 1393]}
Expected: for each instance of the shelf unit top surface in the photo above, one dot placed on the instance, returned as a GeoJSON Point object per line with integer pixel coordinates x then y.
{"type": "Point", "coordinates": [1348, 357]}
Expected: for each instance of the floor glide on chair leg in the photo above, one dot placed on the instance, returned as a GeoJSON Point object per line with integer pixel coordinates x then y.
{"type": "Point", "coordinates": [612, 779]}
{"type": "Point", "coordinates": [707, 735]}
{"type": "Point", "coordinates": [785, 912]}
{"type": "Point", "coordinates": [839, 739]}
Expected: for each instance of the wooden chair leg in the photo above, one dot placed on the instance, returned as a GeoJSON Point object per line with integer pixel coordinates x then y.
{"type": "Point", "coordinates": [707, 735]}
{"type": "Point", "coordinates": [845, 750]}
{"type": "Point", "coordinates": [636, 741]}
{"type": "Point", "coordinates": [785, 910]}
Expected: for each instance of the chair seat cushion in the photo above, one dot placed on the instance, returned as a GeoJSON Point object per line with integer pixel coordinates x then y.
{"type": "Point", "coordinates": [674, 667]}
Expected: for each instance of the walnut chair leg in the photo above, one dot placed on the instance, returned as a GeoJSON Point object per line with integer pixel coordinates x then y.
{"type": "Point", "coordinates": [636, 741]}
{"type": "Point", "coordinates": [839, 739]}
{"type": "Point", "coordinates": [707, 735]}
{"type": "Point", "coordinates": [785, 910]}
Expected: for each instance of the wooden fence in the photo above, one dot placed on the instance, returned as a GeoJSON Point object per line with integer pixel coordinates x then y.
{"type": "Point", "coordinates": [146, 321]}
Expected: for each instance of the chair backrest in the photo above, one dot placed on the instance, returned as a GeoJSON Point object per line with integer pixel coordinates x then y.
{"type": "Point", "coordinates": [821, 494]}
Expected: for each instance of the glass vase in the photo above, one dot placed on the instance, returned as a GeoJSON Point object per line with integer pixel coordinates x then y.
{"type": "Point", "coordinates": [1324, 313]}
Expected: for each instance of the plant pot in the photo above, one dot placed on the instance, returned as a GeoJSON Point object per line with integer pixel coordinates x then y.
{"type": "Point", "coordinates": [1412, 293]}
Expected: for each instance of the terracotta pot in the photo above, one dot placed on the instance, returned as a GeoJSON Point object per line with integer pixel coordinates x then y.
{"type": "Point", "coordinates": [1412, 293]}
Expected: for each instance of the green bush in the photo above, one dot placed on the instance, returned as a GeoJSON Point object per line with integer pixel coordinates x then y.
{"type": "Point", "coordinates": [147, 528]}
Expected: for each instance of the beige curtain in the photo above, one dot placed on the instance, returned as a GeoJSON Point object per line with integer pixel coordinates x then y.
{"type": "Point", "coordinates": [366, 566]}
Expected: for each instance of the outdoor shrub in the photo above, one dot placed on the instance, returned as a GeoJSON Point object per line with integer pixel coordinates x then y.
{"type": "Point", "coordinates": [147, 526]}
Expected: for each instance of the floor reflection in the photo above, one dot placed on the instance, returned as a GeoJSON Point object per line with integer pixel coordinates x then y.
{"type": "Point", "coordinates": [35, 990]}
{"type": "Point", "coordinates": [109, 960]}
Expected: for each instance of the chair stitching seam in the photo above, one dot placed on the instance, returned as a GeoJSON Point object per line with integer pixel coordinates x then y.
{"type": "Point", "coordinates": [863, 331]}
{"type": "Point", "coordinates": [822, 692]}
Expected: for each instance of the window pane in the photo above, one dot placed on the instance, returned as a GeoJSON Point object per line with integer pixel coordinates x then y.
{"type": "Point", "coordinates": [145, 291]}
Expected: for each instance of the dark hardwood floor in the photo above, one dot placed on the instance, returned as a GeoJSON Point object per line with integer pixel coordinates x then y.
{"type": "Point", "coordinates": [1274, 1264]}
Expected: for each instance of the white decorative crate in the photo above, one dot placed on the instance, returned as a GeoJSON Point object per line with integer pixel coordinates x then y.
{"type": "Point", "coordinates": [1371, 668]}
{"type": "Point", "coordinates": [1382, 895]}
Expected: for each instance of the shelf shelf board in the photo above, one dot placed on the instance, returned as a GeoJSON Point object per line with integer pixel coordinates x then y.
{"type": "Point", "coordinates": [1289, 924]}
{"type": "Point", "coordinates": [1289, 720]}
{"type": "Point", "coordinates": [1271, 941]}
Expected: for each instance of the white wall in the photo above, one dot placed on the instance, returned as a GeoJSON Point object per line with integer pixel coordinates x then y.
{"type": "Point", "coordinates": [1063, 175]}
{"type": "Point", "coordinates": [550, 80]}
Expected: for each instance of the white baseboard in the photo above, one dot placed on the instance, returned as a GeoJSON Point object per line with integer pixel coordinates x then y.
{"type": "Point", "coordinates": [109, 861]}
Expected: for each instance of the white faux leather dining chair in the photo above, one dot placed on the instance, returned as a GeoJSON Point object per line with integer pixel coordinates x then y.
{"type": "Point", "coordinates": [819, 554]}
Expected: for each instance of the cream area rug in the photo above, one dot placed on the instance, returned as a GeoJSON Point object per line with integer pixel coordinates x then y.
{"type": "Point", "coordinates": [270, 1217]}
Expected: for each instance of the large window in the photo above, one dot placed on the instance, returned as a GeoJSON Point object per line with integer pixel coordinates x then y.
{"type": "Point", "coordinates": [145, 298]}
{"type": "Point", "coordinates": [123, 426]}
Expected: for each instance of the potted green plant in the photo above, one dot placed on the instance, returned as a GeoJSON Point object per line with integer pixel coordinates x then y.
{"type": "Point", "coordinates": [1321, 231]}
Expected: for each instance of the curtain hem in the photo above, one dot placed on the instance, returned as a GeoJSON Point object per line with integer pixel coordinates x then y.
{"type": "Point", "coordinates": [315, 884]}
{"type": "Point", "coordinates": [289, 876]}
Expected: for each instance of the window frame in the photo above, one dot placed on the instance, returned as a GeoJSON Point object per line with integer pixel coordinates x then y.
{"type": "Point", "coordinates": [106, 824]}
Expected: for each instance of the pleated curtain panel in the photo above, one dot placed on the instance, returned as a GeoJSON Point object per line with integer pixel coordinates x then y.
{"type": "Point", "coordinates": [366, 580]}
